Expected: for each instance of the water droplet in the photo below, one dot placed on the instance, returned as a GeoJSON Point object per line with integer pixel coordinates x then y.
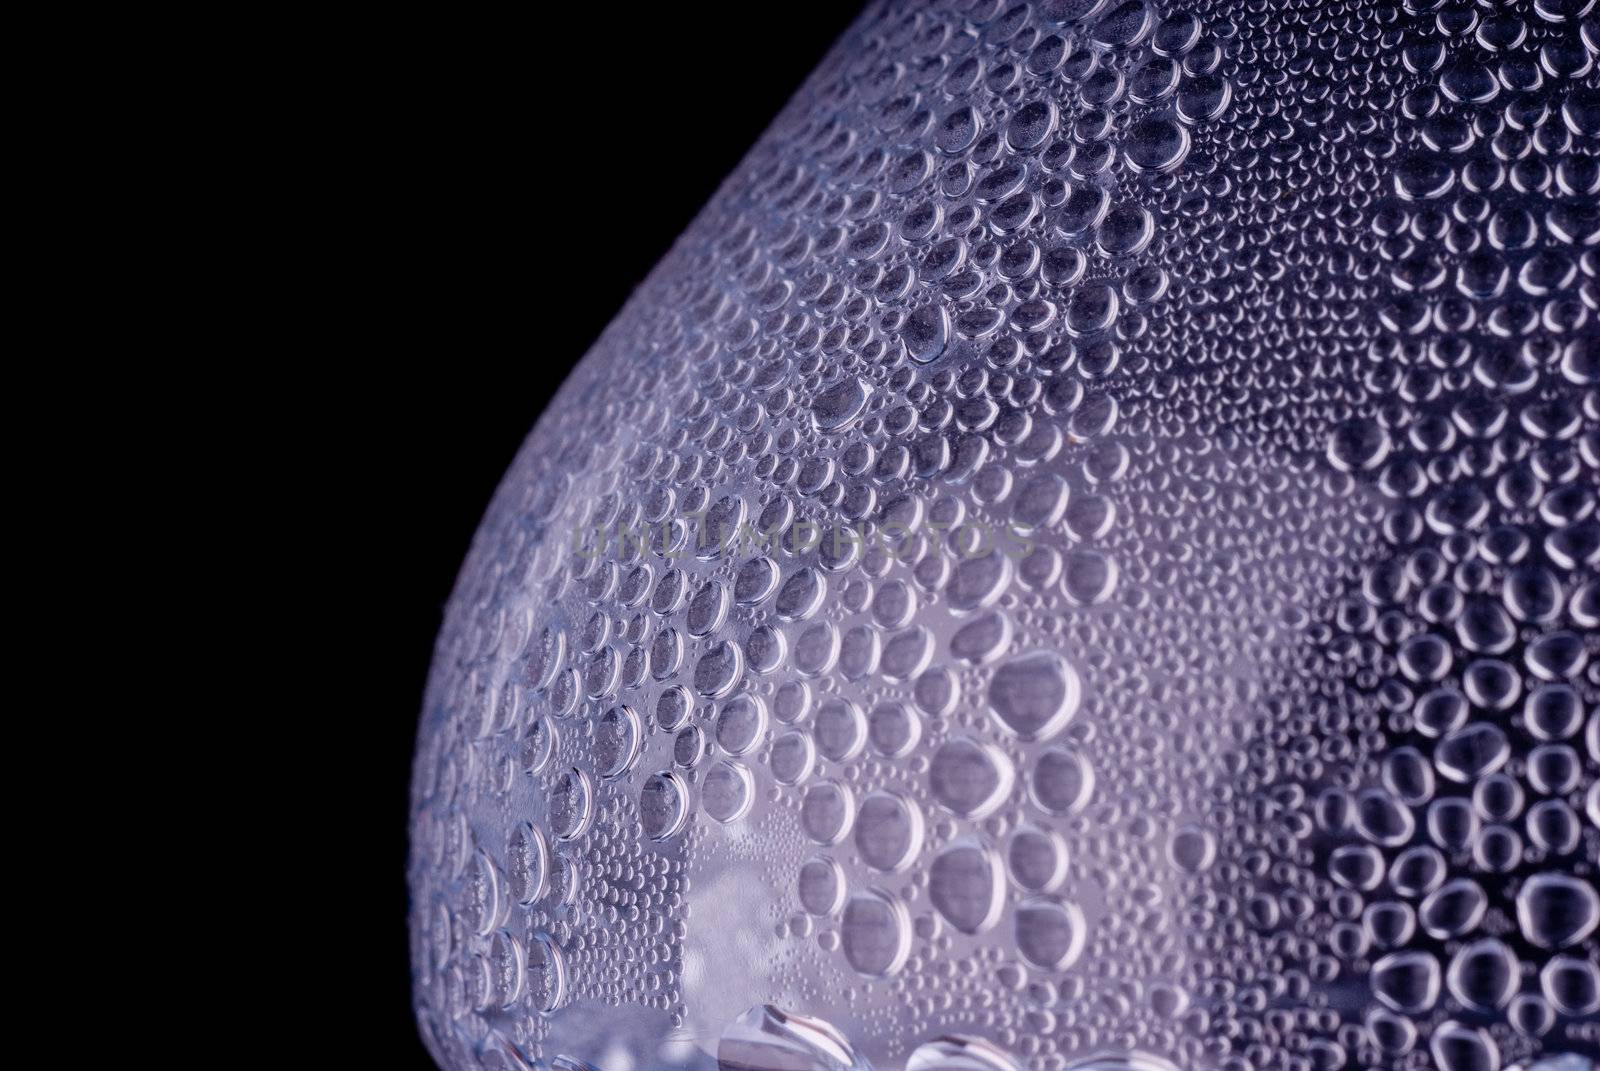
{"type": "Point", "coordinates": [1034, 695]}
{"type": "Point", "coordinates": [1557, 910]}
{"type": "Point", "coordinates": [1050, 933]}
{"type": "Point", "coordinates": [875, 933]}
{"type": "Point", "coordinates": [766, 1038]}
{"type": "Point", "coordinates": [663, 805]}
{"type": "Point", "coordinates": [960, 1054]}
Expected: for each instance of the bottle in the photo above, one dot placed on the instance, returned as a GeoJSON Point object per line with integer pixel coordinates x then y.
{"type": "Point", "coordinates": [1083, 557]}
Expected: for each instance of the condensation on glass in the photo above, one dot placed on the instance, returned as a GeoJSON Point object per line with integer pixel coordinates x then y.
{"type": "Point", "coordinates": [1084, 556]}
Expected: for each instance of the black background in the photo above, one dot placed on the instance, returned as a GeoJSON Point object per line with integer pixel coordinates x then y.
{"type": "Point", "coordinates": [546, 169]}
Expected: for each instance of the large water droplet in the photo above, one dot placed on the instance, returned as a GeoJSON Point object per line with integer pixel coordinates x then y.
{"type": "Point", "coordinates": [1035, 694]}
{"type": "Point", "coordinates": [766, 1038]}
{"type": "Point", "coordinates": [960, 1054]}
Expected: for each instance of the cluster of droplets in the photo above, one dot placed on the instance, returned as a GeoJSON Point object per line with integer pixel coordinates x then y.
{"type": "Point", "coordinates": [1082, 558]}
{"type": "Point", "coordinates": [1458, 845]}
